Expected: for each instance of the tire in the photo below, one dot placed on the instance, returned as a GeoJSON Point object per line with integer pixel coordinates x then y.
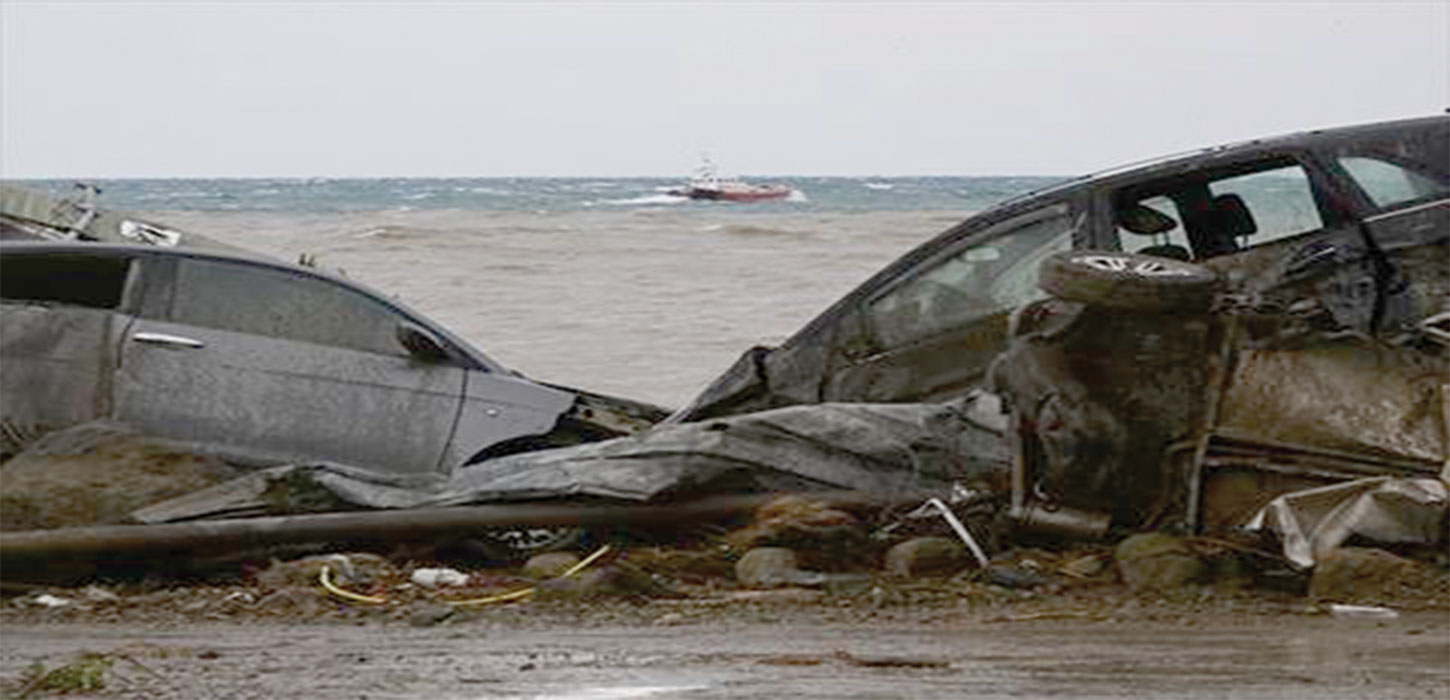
{"type": "Point", "coordinates": [1127, 281]}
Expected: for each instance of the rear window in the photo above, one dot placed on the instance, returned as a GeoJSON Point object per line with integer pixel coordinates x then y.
{"type": "Point", "coordinates": [1388, 184]}
{"type": "Point", "coordinates": [77, 280]}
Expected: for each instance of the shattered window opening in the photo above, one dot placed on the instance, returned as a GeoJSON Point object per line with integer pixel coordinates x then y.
{"type": "Point", "coordinates": [96, 282]}
{"type": "Point", "coordinates": [1258, 204]}
{"type": "Point", "coordinates": [991, 277]}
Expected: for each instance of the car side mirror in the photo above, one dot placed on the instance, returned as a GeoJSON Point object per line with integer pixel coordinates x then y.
{"type": "Point", "coordinates": [421, 344]}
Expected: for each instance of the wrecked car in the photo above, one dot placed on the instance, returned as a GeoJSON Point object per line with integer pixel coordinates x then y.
{"type": "Point", "coordinates": [26, 214]}
{"type": "Point", "coordinates": [1347, 224]}
{"type": "Point", "coordinates": [260, 362]}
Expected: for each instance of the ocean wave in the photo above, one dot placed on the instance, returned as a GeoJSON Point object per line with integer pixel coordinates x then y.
{"type": "Point", "coordinates": [646, 199]}
{"type": "Point", "coordinates": [878, 185]}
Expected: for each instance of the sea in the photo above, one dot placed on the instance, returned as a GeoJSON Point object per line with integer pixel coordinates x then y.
{"type": "Point", "coordinates": [606, 284]}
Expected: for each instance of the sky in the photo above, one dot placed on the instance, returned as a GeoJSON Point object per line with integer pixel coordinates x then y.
{"type": "Point", "coordinates": [417, 89]}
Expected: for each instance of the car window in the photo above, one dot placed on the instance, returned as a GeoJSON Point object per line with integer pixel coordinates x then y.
{"type": "Point", "coordinates": [1201, 216]}
{"type": "Point", "coordinates": [1388, 184]}
{"type": "Point", "coordinates": [79, 280]}
{"type": "Point", "coordinates": [282, 304]}
{"type": "Point", "coordinates": [1279, 202]}
{"type": "Point", "coordinates": [998, 274]}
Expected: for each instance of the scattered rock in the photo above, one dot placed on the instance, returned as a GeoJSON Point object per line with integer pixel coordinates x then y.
{"type": "Point", "coordinates": [296, 602]}
{"type": "Point", "coordinates": [550, 564]}
{"type": "Point", "coordinates": [429, 614]}
{"type": "Point", "coordinates": [608, 581]}
{"type": "Point", "coordinates": [773, 566]}
{"type": "Point", "coordinates": [926, 556]}
{"type": "Point", "coordinates": [829, 539]}
{"type": "Point", "coordinates": [1155, 561]}
{"type": "Point", "coordinates": [1013, 576]}
{"type": "Point", "coordinates": [1356, 573]}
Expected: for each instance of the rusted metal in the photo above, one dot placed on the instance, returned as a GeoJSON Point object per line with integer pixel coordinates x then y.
{"type": "Point", "coordinates": [27, 555]}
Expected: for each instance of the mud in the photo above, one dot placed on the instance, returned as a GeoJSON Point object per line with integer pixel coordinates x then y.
{"type": "Point", "coordinates": [773, 651]}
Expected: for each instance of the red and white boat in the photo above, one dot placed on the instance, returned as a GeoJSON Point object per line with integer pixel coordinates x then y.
{"type": "Point", "coordinates": [707, 184]}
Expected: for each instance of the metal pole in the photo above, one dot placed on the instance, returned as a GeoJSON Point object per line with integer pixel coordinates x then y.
{"type": "Point", "coordinates": [23, 551]}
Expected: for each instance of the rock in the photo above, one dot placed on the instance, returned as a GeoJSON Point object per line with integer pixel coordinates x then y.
{"type": "Point", "coordinates": [550, 564]}
{"type": "Point", "coordinates": [296, 602]}
{"type": "Point", "coordinates": [824, 536]}
{"type": "Point", "coordinates": [773, 566]}
{"type": "Point", "coordinates": [1358, 573]}
{"type": "Point", "coordinates": [927, 556]}
{"type": "Point", "coordinates": [609, 581]}
{"type": "Point", "coordinates": [1155, 561]}
{"type": "Point", "coordinates": [1012, 576]}
{"type": "Point", "coordinates": [429, 614]}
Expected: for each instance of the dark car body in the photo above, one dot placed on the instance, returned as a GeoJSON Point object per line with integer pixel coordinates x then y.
{"type": "Point", "coordinates": [1351, 223]}
{"type": "Point", "coordinates": [263, 362]}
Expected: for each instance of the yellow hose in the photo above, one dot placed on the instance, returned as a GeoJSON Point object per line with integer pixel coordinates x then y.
{"type": "Point", "coordinates": [525, 592]}
{"type": "Point", "coordinates": [325, 578]}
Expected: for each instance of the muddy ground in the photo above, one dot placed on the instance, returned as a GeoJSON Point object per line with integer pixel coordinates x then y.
{"type": "Point", "coordinates": [926, 638]}
{"type": "Point", "coordinates": [764, 649]}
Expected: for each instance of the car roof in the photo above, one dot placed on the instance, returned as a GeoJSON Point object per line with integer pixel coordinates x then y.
{"type": "Point", "coordinates": [1290, 141]}
{"type": "Point", "coordinates": [24, 247]}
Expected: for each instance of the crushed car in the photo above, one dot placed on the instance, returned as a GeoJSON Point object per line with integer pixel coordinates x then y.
{"type": "Point", "coordinates": [260, 362]}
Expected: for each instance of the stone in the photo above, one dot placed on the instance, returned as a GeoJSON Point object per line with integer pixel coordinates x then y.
{"type": "Point", "coordinates": [829, 538]}
{"type": "Point", "coordinates": [1359, 573]}
{"type": "Point", "coordinates": [773, 566]}
{"type": "Point", "coordinates": [550, 564]}
{"type": "Point", "coordinates": [604, 582]}
{"type": "Point", "coordinates": [926, 556]}
{"type": "Point", "coordinates": [1156, 561]}
{"type": "Point", "coordinates": [429, 614]}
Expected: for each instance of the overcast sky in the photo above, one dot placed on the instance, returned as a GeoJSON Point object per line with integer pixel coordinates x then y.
{"type": "Point", "coordinates": [176, 89]}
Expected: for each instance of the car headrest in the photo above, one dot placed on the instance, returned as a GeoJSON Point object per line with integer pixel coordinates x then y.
{"type": "Point", "coordinates": [1231, 217]}
{"type": "Point", "coordinates": [1145, 220]}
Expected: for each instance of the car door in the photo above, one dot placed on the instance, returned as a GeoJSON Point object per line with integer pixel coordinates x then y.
{"type": "Point", "coordinates": [1404, 193]}
{"type": "Point", "coordinates": [62, 314]}
{"type": "Point", "coordinates": [930, 332]}
{"type": "Point", "coordinates": [272, 364]}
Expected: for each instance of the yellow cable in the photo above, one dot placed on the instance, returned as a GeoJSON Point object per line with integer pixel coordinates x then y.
{"type": "Point", "coordinates": [325, 578]}
{"type": "Point", "coordinates": [525, 592]}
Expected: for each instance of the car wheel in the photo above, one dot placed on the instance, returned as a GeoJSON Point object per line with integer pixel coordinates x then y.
{"type": "Point", "coordinates": [523, 542]}
{"type": "Point", "coordinates": [1127, 280]}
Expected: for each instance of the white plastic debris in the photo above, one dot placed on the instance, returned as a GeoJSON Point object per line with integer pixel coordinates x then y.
{"type": "Point", "coordinates": [1363, 612]}
{"type": "Point", "coordinates": [433, 578]}
{"type": "Point", "coordinates": [49, 601]}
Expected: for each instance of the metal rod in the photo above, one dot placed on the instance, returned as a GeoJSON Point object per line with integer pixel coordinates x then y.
{"type": "Point", "coordinates": [22, 550]}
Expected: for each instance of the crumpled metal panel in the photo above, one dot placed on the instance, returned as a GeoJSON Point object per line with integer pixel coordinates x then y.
{"type": "Point", "coordinates": [878, 448]}
{"type": "Point", "coordinates": [1382, 509]}
{"type": "Point", "coordinates": [1355, 395]}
